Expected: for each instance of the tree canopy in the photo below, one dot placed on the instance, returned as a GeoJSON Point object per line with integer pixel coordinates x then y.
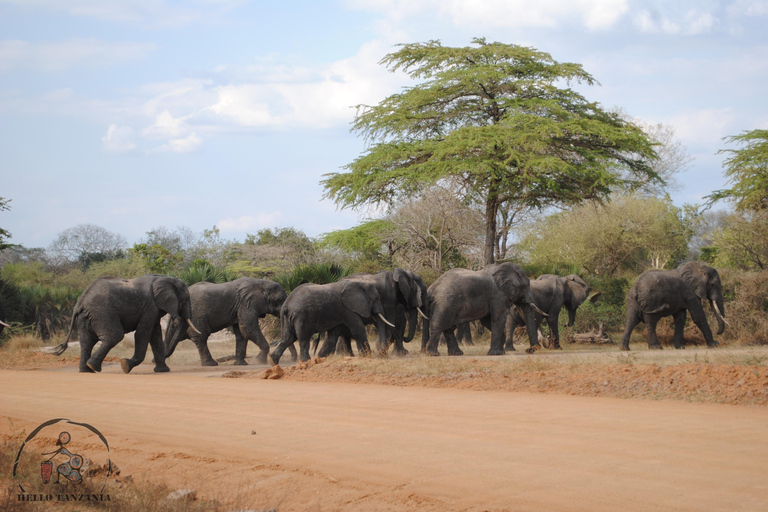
{"type": "Point", "coordinates": [498, 120]}
{"type": "Point", "coordinates": [747, 169]}
{"type": "Point", "coordinates": [4, 234]}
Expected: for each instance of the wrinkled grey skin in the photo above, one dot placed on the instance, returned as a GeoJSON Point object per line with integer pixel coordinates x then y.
{"type": "Point", "coordinates": [659, 293]}
{"type": "Point", "coordinates": [462, 295]}
{"type": "Point", "coordinates": [314, 308]}
{"type": "Point", "coordinates": [111, 307]}
{"type": "Point", "coordinates": [401, 295]}
{"type": "Point", "coordinates": [238, 304]}
{"type": "Point", "coordinates": [551, 293]}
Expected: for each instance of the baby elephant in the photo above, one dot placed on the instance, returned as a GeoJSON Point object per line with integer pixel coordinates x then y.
{"type": "Point", "coordinates": [238, 304]}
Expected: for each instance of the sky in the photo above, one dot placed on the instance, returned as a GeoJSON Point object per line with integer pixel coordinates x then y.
{"type": "Point", "coordinates": [136, 114]}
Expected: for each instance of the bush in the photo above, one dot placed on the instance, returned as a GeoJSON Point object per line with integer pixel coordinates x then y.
{"type": "Point", "coordinates": [319, 273]}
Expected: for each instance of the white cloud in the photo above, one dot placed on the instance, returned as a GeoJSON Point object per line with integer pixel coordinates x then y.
{"type": "Point", "coordinates": [705, 127]}
{"type": "Point", "coordinates": [142, 12]}
{"type": "Point", "coordinates": [166, 127]}
{"type": "Point", "coordinates": [249, 223]}
{"type": "Point", "coordinates": [118, 139]}
{"type": "Point", "coordinates": [593, 14]}
{"type": "Point", "coordinates": [190, 144]}
{"type": "Point", "coordinates": [63, 55]}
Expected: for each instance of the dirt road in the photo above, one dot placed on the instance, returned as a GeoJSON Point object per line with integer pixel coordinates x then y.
{"type": "Point", "coordinates": [330, 446]}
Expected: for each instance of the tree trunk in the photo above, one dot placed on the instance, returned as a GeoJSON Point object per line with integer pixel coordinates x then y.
{"type": "Point", "coordinates": [491, 209]}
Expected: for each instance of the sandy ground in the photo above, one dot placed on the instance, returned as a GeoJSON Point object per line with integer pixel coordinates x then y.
{"type": "Point", "coordinates": [349, 445]}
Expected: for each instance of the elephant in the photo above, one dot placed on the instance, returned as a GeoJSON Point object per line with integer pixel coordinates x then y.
{"type": "Point", "coordinates": [402, 298]}
{"type": "Point", "coordinates": [110, 307]}
{"type": "Point", "coordinates": [462, 295]}
{"type": "Point", "coordinates": [239, 304]}
{"type": "Point", "coordinates": [313, 308]}
{"type": "Point", "coordinates": [551, 293]}
{"type": "Point", "coordinates": [660, 293]}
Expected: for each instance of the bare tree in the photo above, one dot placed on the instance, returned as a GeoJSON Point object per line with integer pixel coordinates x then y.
{"type": "Point", "coordinates": [436, 230]}
{"type": "Point", "coordinates": [79, 242]}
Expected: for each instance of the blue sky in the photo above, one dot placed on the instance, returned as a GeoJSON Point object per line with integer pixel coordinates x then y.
{"type": "Point", "coordinates": [135, 114]}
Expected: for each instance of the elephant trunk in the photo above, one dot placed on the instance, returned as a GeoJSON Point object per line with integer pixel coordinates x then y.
{"type": "Point", "coordinates": [173, 335]}
{"type": "Point", "coordinates": [571, 316]}
{"type": "Point", "coordinates": [721, 322]}
{"type": "Point", "coordinates": [413, 319]}
{"type": "Point", "coordinates": [530, 324]}
{"type": "Point", "coordinates": [381, 324]}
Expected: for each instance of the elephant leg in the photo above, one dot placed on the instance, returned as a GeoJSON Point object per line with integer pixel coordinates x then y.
{"type": "Point", "coordinates": [509, 331]}
{"type": "Point", "coordinates": [109, 339]}
{"type": "Point", "coordinates": [700, 319]}
{"type": "Point", "coordinates": [453, 344]}
{"type": "Point", "coordinates": [363, 347]}
{"type": "Point", "coordinates": [141, 338]}
{"type": "Point", "coordinates": [251, 330]}
{"type": "Point", "coordinates": [653, 340]}
{"type": "Point", "coordinates": [343, 346]}
{"type": "Point", "coordinates": [156, 342]}
{"type": "Point", "coordinates": [633, 318]}
{"type": "Point", "coordinates": [468, 335]}
{"type": "Point", "coordinates": [329, 344]}
{"type": "Point", "coordinates": [201, 344]}
{"type": "Point", "coordinates": [554, 332]}
{"type": "Point", "coordinates": [87, 341]}
{"type": "Point", "coordinates": [679, 328]}
{"type": "Point", "coordinates": [241, 346]}
{"type": "Point", "coordinates": [285, 343]}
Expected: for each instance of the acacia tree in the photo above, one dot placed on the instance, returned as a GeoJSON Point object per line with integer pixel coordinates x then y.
{"type": "Point", "coordinates": [501, 122]}
{"type": "Point", "coordinates": [747, 169]}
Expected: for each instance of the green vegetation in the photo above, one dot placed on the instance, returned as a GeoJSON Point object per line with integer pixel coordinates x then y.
{"type": "Point", "coordinates": [493, 119]}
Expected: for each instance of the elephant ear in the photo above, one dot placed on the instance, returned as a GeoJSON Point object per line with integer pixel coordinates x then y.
{"type": "Point", "coordinates": [253, 297]}
{"type": "Point", "coordinates": [165, 296]}
{"type": "Point", "coordinates": [509, 278]}
{"type": "Point", "coordinates": [578, 289]}
{"type": "Point", "coordinates": [355, 299]}
{"type": "Point", "coordinates": [407, 286]}
{"type": "Point", "coordinates": [695, 277]}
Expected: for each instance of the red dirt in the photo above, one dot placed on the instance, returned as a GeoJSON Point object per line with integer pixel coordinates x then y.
{"type": "Point", "coordinates": [331, 436]}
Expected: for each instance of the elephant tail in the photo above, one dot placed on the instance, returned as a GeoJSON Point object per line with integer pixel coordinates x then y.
{"type": "Point", "coordinates": [60, 349]}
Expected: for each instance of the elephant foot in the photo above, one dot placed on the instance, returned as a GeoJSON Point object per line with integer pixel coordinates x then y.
{"type": "Point", "coordinates": [126, 365]}
{"type": "Point", "coordinates": [496, 352]}
{"type": "Point", "coordinates": [679, 347]}
{"type": "Point", "coordinates": [556, 346]}
{"type": "Point", "coordinates": [261, 358]}
{"type": "Point", "coordinates": [509, 347]}
{"type": "Point", "coordinates": [625, 348]}
{"type": "Point", "coordinates": [714, 344]}
{"type": "Point", "coordinates": [86, 369]}
{"type": "Point", "coordinates": [211, 362]}
{"type": "Point", "coordinates": [94, 365]}
{"type": "Point", "coordinates": [455, 352]}
{"type": "Point", "coordinates": [433, 353]}
{"type": "Point", "coordinates": [274, 360]}
{"type": "Point", "coordinates": [162, 368]}
{"type": "Point", "coordinates": [532, 349]}
{"type": "Point", "coordinates": [657, 346]}
{"type": "Point", "coordinates": [240, 362]}
{"type": "Point", "coordinates": [401, 352]}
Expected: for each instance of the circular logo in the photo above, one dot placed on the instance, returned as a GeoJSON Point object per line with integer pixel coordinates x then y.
{"type": "Point", "coordinates": [62, 452]}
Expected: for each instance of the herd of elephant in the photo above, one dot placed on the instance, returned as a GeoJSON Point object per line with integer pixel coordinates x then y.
{"type": "Point", "coordinates": [499, 296]}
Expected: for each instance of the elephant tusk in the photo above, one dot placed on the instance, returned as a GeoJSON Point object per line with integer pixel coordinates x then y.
{"type": "Point", "coordinates": [536, 308]}
{"type": "Point", "coordinates": [4, 324]}
{"type": "Point", "coordinates": [192, 326]}
{"type": "Point", "coordinates": [385, 320]}
{"type": "Point", "coordinates": [719, 314]}
{"type": "Point", "coordinates": [425, 317]}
